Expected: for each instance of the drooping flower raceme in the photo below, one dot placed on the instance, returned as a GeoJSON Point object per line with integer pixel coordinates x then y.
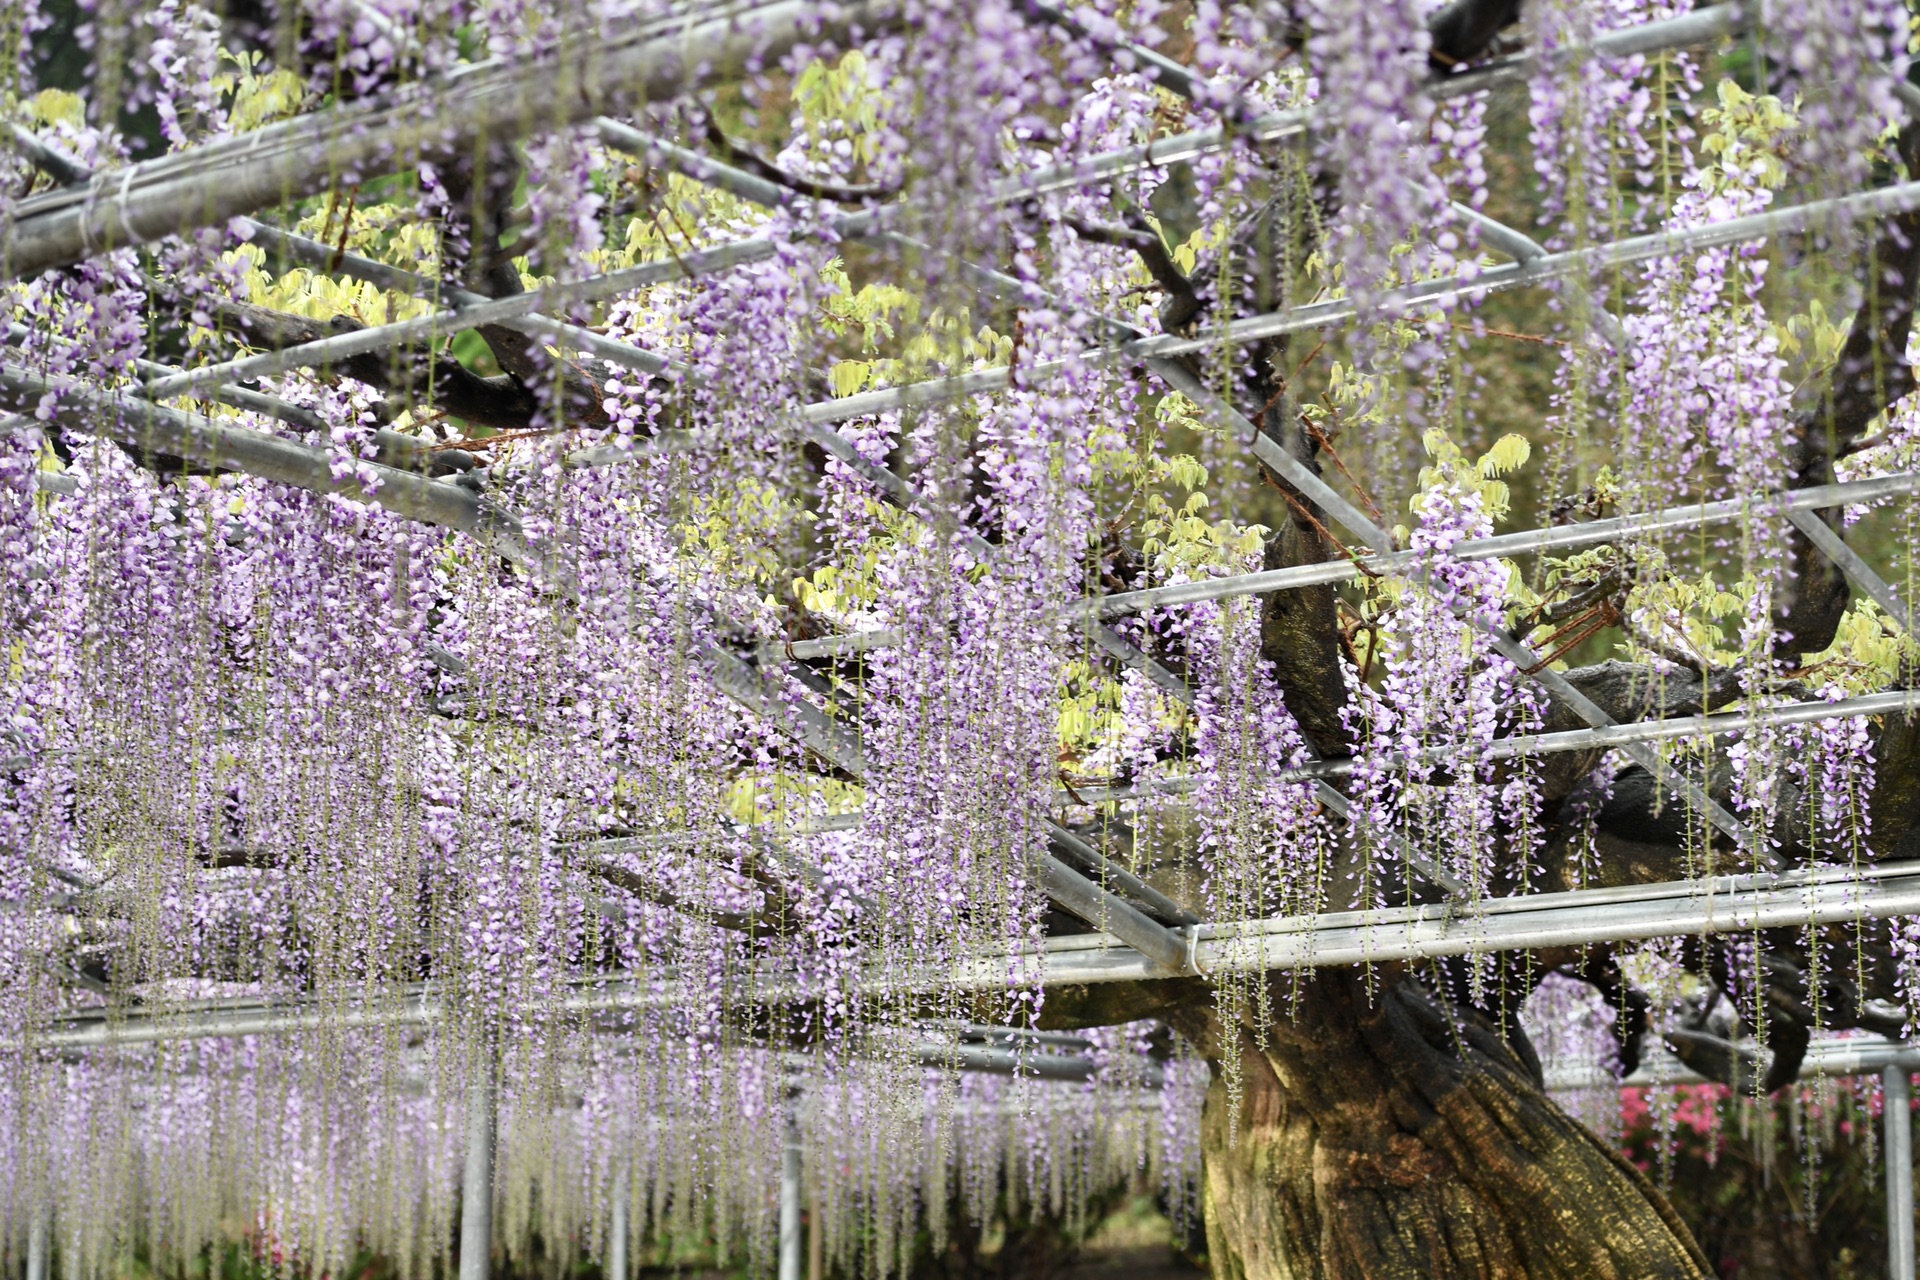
{"type": "Point", "coordinates": [1422, 772]}
{"type": "Point", "coordinates": [1369, 59]}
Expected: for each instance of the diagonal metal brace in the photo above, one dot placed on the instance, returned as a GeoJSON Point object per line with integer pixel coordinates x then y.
{"type": "Point", "coordinates": [1858, 571]}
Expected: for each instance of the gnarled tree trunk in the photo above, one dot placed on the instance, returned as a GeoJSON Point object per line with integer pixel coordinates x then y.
{"type": "Point", "coordinates": [1388, 1137]}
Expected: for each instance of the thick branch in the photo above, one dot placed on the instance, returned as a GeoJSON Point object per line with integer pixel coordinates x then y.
{"type": "Point", "coordinates": [1465, 29]}
{"type": "Point", "coordinates": [647, 889]}
{"type": "Point", "coordinates": [484, 188]}
{"type": "Point", "coordinates": [837, 192]}
{"type": "Point", "coordinates": [1182, 304]}
{"type": "Point", "coordinates": [421, 377]}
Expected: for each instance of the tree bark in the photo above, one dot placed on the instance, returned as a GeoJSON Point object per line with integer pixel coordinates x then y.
{"type": "Point", "coordinates": [1393, 1137]}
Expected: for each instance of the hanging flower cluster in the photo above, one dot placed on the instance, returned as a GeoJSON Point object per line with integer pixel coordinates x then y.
{"type": "Point", "coordinates": [1600, 127]}
{"type": "Point", "coordinates": [1839, 61]}
{"type": "Point", "coordinates": [1423, 774]}
{"type": "Point", "coordinates": [1709, 371]}
{"type": "Point", "coordinates": [1368, 60]}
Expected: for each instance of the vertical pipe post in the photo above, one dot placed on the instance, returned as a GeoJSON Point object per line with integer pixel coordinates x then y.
{"type": "Point", "coordinates": [616, 1268]}
{"type": "Point", "coordinates": [1898, 1098]}
{"type": "Point", "coordinates": [40, 1240]}
{"type": "Point", "coordinates": [789, 1192]}
{"type": "Point", "coordinates": [816, 1236]}
{"type": "Point", "coordinates": [476, 1183]}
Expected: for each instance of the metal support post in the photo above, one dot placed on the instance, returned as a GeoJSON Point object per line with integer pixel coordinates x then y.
{"type": "Point", "coordinates": [40, 1241]}
{"type": "Point", "coordinates": [816, 1237]}
{"type": "Point", "coordinates": [1898, 1099]}
{"type": "Point", "coordinates": [616, 1268]}
{"type": "Point", "coordinates": [476, 1185]}
{"type": "Point", "coordinates": [789, 1192]}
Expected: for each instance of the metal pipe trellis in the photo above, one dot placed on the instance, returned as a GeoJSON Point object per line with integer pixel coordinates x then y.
{"type": "Point", "coordinates": [1697, 26]}
{"type": "Point", "coordinates": [1825, 1059]}
{"type": "Point", "coordinates": [160, 197]}
{"type": "Point", "coordinates": [1716, 905]}
{"type": "Point", "coordinates": [1900, 198]}
{"type": "Point", "coordinates": [1673, 33]}
{"type": "Point", "coordinates": [1727, 904]}
{"type": "Point", "coordinates": [1414, 936]}
{"type": "Point", "coordinates": [901, 493]}
{"type": "Point", "coordinates": [1730, 722]}
{"type": "Point", "coordinates": [1564, 537]}
{"type": "Point", "coordinates": [72, 173]}
{"type": "Point", "coordinates": [1643, 731]}
{"type": "Point", "coordinates": [476, 1181]}
{"type": "Point", "coordinates": [790, 1168]}
{"type": "Point", "coordinates": [500, 101]}
{"type": "Point", "coordinates": [1534, 744]}
{"type": "Point", "coordinates": [1899, 1159]}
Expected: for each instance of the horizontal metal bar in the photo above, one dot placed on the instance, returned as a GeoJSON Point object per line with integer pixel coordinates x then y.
{"type": "Point", "coordinates": [100, 1032]}
{"type": "Point", "coordinates": [1640, 732]}
{"type": "Point", "coordinates": [1042, 1066]}
{"type": "Point", "coordinates": [1725, 904]}
{"type": "Point", "coordinates": [991, 1034]}
{"type": "Point", "coordinates": [1700, 27]}
{"type": "Point", "coordinates": [329, 260]}
{"type": "Point", "coordinates": [1576, 918]}
{"type": "Point", "coordinates": [602, 31]}
{"type": "Point", "coordinates": [1900, 198]}
{"type": "Point", "coordinates": [1825, 1059]}
{"type": "Point", "coordinates": [1525, 542]}
{"type": "Point", "coordinates": [1526, 745]}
